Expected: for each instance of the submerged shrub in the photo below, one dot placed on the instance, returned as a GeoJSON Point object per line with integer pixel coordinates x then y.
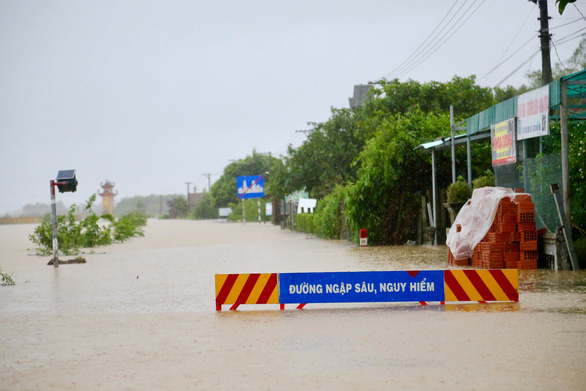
{"type": "Point", "coordinates": [91, 231]}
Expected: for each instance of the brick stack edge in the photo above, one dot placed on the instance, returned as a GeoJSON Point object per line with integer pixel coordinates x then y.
{"type": "Point", "coordinates": [511, 242]}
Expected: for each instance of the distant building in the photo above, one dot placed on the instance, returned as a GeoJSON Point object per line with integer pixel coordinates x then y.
{"type": "Point", "coordinates": [360, 95]}
{"type": "Point", "coordinates": [107, 197]}
{"type": "Point", "coordinates": [194, 198]}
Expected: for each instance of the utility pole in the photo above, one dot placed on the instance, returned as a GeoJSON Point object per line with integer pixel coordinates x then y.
{"type": "Point", "coordinates": [544, 36]}
{"type": "Point", "coordinates": [188, 183]}
{"type": "Point", "coordinates": [452, 134]}
{"type": "Point", "coordinates": [209, 181]}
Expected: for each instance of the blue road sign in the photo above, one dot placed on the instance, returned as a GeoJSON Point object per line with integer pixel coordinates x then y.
{"type": "Point", "coordinates": [250, 186]}
{"type": "Point", "coordinates": [361, 287]}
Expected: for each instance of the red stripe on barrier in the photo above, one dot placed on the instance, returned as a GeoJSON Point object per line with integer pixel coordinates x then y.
{"type": "Point", "coordinates": [226, 288]}
{"type": "Point", "coordinates": [505, 285]}
{"type": "Point", "coordinates": [455, 286]}
{"type": "Point", "coordinates": [268, 289]}
{"type": "Point", "coordinates": [248, 286]}
{"type": "Point", "coordinates": [479, 285]}
{"type": "Point", "coordinates": [300, 306]}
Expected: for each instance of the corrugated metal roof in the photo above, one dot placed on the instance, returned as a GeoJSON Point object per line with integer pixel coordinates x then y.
{"type": "Point", "coordinates": [505, 110]}
{"type": "Point", "coordinates": [508, 109]}
{"type": "Point", "coordinates": [445, 142]}
{"type": "Point", "coordinates": [574, 91]}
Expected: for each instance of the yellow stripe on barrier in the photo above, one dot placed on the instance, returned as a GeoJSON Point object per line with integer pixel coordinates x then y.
{"type": "Point", "coordinates": [481, 285]}
{"type": "Point", "coordinates": [494, 287]}
{"type": "Point", "coordinates": [467, 285]}
{"type": "Point", "coordinates": [240, 289]}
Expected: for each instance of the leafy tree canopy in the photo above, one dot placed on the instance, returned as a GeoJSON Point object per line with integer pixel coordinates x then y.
{"type": "Point", "coordinates": [325, 158]}
{"type": "Point", "coordinates": [463, 93]}
{"type": "Point", "coordinates": [384, 198]}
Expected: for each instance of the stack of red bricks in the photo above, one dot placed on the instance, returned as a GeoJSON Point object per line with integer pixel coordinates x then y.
{"type": "Point", "coordinates": [511, 242]}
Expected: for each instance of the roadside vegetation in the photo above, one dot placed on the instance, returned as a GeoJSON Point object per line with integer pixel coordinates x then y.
{"type": "Point", "coordinates": [6, 279]}
{"type": "Point", "coordinates": [363, 166]}
{"type": "Point", "coordinates": [90, 231]}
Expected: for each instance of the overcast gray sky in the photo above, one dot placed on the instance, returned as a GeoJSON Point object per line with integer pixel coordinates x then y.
{"type": "Point", "coordinates": [153, 94]}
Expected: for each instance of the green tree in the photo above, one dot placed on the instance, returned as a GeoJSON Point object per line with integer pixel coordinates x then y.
{"type": "Point", "coordinates": [224, 189]}
{"type": "Point", "coordinates": [503, 94]}
{"type": "Point", "coordinates": [278, 185]}
{"type": "Point", "coordinates": [463, 93]}
{"type": "Point", "coordinates": [385, 199]}
{"type": "Point", "coordinates": [178, 208]}
{"type": "Point", "coordinates": [562, 4]}
{"type": "Point", "coordinates": [325, 158]}
{"type": "Point", "coordinates": [204, 209]}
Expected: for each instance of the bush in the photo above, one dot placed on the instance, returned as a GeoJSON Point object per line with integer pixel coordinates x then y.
{"type": "Point", "coordinates": [459, 191]}
{"type": "Point", "coordinates": [329, 214]}
{"type": "Point", "coordinates": [483, 181]}
{"type": "Point", "coordinates": [6, 279]}
{"type": "Point", "coordinates": [92, 231]}
{"type": "Point", "coordinates": [304, 222]}
{"type": "Point", "coordinates": [129, 225]}
{"type": "Point", "coordinates": [204, 209]}
{"type": "Point", "coordinates": [251, 210]}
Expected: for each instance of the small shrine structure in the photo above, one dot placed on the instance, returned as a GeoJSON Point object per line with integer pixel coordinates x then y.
{"type": "Point", "coordinates": [107, 197]}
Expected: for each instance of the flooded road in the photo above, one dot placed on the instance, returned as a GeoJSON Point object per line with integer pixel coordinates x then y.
{"type": "Point", "coordinates": [141, 316]}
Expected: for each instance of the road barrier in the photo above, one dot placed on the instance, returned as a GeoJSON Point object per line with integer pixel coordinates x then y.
{"type": "Point", "coordinates": [237, 289]}
{"type": "Point", "coordinates": [421, 286]}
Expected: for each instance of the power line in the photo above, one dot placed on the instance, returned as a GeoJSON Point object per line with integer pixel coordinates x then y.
{"type": "Point", "coordinates": [439, 45]}
{"type": "Point", "coordinates": [565, 24]}
{"type": "Point", "coordinates": [439, 40]}
{"type": "Point", "coordinates": [519, 67]}
{"type": "Point", "coordinates": [516, 35]}
{"type": "Point", "coordinates": [578, 9]}
{"type": "Point", "coordinates": [506, 59]}
{"type": "Point", "coordinates": [567, 38]}
{"type": "Point", "coordinates": [558, 55]}
{"type": "Point", "coordinates": [425, 40]}
{"type": "Point", "coordinates": [418, 53]}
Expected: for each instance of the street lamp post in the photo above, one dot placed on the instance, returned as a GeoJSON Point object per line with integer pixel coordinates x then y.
{"type": "Point", "coordinates": [65, 182]}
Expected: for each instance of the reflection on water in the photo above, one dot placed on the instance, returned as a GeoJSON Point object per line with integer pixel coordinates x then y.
{"type": "Point", "coordinates": [402, 257]}
{"type": "Point", "coordinates": [484, 307]}
{"type": "Point", "coordinates": [539, 290]}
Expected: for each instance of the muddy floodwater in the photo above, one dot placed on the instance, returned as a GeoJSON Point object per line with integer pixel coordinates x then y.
{"type": "Point", "coordinates": [141, 316]}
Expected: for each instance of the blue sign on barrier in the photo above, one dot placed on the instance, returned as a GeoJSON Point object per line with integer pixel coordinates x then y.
{"type": "Point", "coordinates": [361, 287]}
